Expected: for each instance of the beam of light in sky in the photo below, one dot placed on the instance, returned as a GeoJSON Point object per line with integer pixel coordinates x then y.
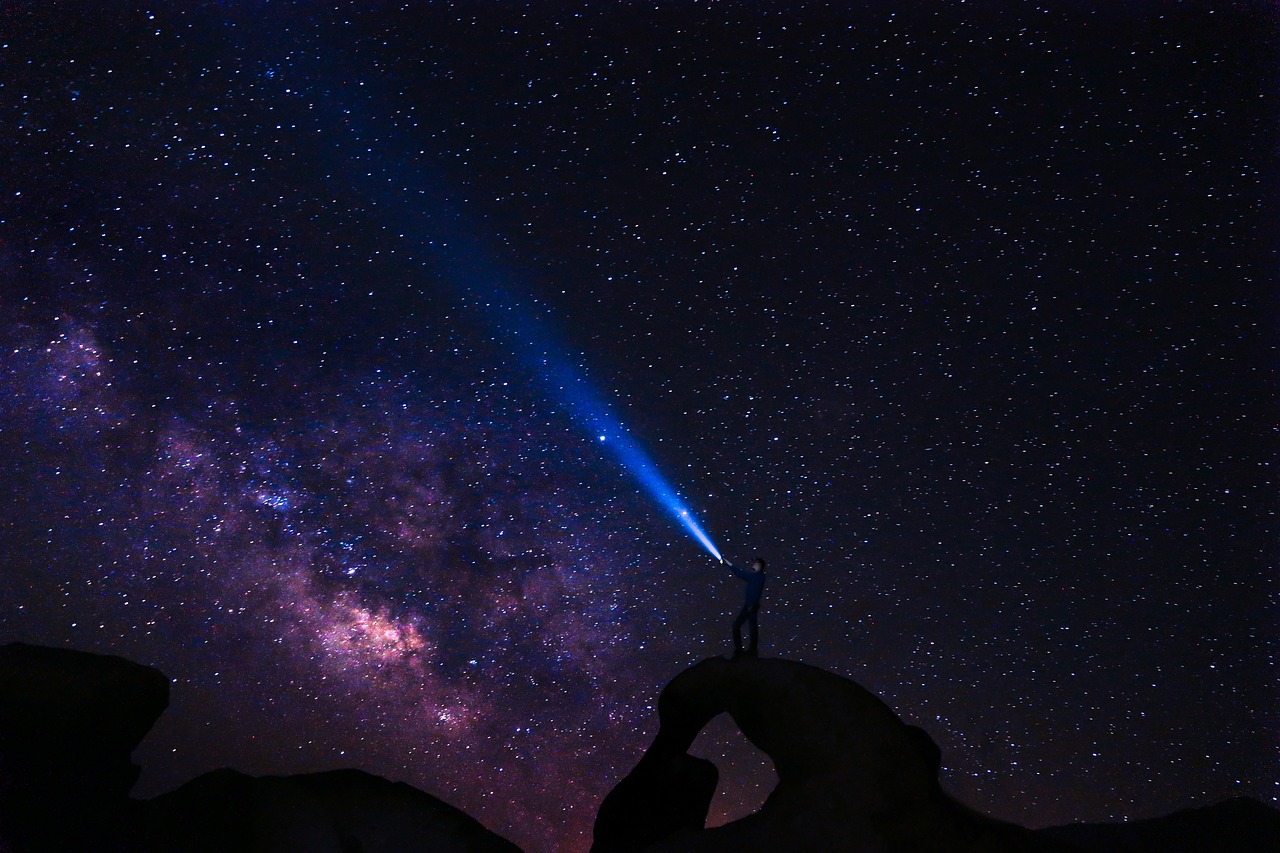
{"type": "Point", "coordinates": [531, 339]}
{"type": "Point", "coordinates": [589, 409]}
{"type": "Point", "coordinates": [401, 185]}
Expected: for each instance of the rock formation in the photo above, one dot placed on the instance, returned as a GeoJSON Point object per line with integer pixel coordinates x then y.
{"type": "Point", "coordinates": [340, 811]}
{"type": "Point", "coordinates": [667, 792]}
{"type": "Point", "coordinates": [68, 724]}
{"type": "Point", "coordinates": [851, 775]}
{"type": "Point", "coordinates": [1235, 826]}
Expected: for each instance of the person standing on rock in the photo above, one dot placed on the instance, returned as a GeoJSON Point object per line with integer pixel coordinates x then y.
{"type": "Point", "coordinates": [751, 607]}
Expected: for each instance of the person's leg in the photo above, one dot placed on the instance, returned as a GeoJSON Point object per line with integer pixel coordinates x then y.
{"type": "Point", "coordinates": [737, 630]}
{"type": "Point", "coordinates": [753, 629]}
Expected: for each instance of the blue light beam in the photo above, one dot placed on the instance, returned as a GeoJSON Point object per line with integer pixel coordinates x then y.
{"type": "Point", "coordinates": [399, 181]}
{"type": "Point", "coordinates": [633, 457]}
{"type": "Point", "coordinates": [568, 384]}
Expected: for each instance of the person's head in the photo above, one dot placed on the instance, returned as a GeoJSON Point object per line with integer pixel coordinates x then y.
{"type": "Point", "coordinates": [758, 564]}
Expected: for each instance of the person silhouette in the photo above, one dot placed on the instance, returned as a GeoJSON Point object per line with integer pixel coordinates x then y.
{"type": "Point", "coordinates": [750, 613]}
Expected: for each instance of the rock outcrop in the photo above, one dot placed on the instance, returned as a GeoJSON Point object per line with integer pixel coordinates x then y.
{"type": "Point", "coordinates": [1234, 826]}
{"type": "Point", "coordinates": [70, 720]}
{"type": "Point", "coordinates": [851, 775]}
{"type": "Point", "coordinates": [668, 792]}
{"type": "Point", "coordinates": [339, 811]}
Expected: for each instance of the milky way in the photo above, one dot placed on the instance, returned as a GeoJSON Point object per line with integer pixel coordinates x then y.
{"type": "Point", "coordinates": [956, 318]}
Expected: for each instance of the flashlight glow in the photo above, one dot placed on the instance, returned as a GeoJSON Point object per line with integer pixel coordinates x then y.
{"type": "Point", "coordinates": [530, 335]}
{"type": "Point", "coordinates": [635, 460]}
{"type": "Point", "coordinates": [691, 523]}
{"type": "Point", "coordinates": [465, 260]}
{"type": "Point", "coordinates": [570, 385]}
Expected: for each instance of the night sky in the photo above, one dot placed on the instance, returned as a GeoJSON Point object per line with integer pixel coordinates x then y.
{"type": "Point", "coordinates": [961, 314]}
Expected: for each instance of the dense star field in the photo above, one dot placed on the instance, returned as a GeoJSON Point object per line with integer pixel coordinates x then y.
{"type": "Point", "coordinates": [961, 314]}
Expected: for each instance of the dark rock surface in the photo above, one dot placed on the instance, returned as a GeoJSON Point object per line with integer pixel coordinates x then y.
{"type": "Point", "coordinates": [340, 811]}
{"type": "Point", "coordinates": [851, 775]}
{"type": "Point", "coordinates": [667, 792]}
{"type": "Point", "coordinates": [68, 723]}
{"type": "Point", "coordinates": [70, 720]}
{"type": "Point", "coordinates": [1234, 826]}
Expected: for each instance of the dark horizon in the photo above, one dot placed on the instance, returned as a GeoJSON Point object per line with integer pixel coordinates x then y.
{"type": "Point", "coordinates": [963, 318]}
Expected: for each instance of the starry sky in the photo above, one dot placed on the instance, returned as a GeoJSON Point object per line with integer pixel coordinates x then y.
{"type": "Point", "coordinates": [957, 313]}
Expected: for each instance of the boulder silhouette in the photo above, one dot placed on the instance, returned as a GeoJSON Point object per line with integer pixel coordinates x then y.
{"type": "Point", "coordinates": [339, 811]}
{"type": "Point", "coordinates": [1242, 825]}
{"type": "Point", "coordinates": [69, 721]}
{"type": "Point", "coordinates": [668, 791]}
{"type": "Point", "coordinates": [851, 775]}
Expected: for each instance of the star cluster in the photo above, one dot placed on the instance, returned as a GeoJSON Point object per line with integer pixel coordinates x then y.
{"type": "Point", "coordinates": [956, 313]}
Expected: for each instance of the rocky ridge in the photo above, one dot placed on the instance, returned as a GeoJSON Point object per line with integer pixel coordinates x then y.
{"type": "Point", "coordinates": [852, 777]}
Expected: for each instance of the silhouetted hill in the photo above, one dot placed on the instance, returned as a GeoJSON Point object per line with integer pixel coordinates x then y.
{"type": "Point", "coordinates": [68, 724]}
{"type": "Point", "coordinates": [851, 775]}
{"type": "Point", "coordinates": [70, 720]}
{"type": "Point", "coordinates": [1234, 826]}
{"type": "Point", "coordinates": [339, 811]}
